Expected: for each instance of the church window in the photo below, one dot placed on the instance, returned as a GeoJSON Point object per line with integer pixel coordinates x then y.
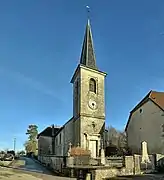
{"type": "Point", "coordinates": [140, 110]}
{"type": "Point", "coordinates": [92, 85]}
{"type": "Point", "coordinates": [60, 138]}
{"type": "Point", "coordinates": [85, 141]}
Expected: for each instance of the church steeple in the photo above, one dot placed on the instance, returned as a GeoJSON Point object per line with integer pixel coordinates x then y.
{"type": "Point", "coordinates": [88, 55]}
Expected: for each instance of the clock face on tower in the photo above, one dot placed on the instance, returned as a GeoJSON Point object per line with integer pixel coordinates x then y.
{"type": "Point", "coordinates": [92, 104]}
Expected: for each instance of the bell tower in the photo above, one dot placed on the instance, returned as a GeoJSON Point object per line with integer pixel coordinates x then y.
{"type": "Point", "coordinates": [88, 98]}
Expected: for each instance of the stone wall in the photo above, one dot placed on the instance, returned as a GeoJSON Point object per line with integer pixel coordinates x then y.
{"type": "Point", "coordinates": [105, 173]}
{"type": "Point", "coordinates": [57, 163]}
{"type": "Point", "coordinates": [68, 135]}
{"type": "Point", "coordinates": [114, 161]}
{"type": "Point", "coordinates": [99, 97]}
{"type": "Point", "coordinates": [59, 142]}
{"type": "Point", "coordinates": [132, 165]}
{"type": "Point", "coordinates": [44, 145]}
{"type": "Point", "coordinates": [63, 138]}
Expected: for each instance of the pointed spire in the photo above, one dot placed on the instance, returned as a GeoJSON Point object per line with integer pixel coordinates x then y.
{"type": "Point", "coordinates": [88, 56]}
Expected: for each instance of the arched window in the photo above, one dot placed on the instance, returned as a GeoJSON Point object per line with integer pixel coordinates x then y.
{"type": "Point", "coordinates": [92, 85]}
{"type": "Point", "coordinates": [85, 141]}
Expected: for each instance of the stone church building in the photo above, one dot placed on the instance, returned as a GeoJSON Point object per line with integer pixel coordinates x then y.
{"type": "Point", "coordinates": [86, 127]}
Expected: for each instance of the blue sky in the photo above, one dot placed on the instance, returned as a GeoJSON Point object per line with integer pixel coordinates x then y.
{"type": "Point", "coordinates": [40, 46]}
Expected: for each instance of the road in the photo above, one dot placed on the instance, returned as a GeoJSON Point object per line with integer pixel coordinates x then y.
{"type": "Point", "coordinates": [31, 171]}
{"type": "Point", "coordinates": [34, 171]}
{"type": "Point", "coordinates": [33, 166]}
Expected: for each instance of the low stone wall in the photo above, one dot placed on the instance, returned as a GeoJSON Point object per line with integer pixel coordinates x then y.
{"type": "Point", "coordinates": [115, 161]}
{"type": "Point", "coordinates": [105, 173]}
{"type": "Point", "coordinates": [57, 163]}
{"type": "Point", "coordinates": [131, 166]}
{"type": "Point", "coordinates": [78, 160]}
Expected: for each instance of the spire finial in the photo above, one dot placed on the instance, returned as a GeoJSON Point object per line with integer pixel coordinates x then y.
{"type": "Point", "coordinates": [88, 11]}
{"type": "Point", "coordinates": [88, 55]}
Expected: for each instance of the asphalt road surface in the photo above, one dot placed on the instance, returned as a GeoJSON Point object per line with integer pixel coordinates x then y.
{"type": "Point", "coordinates": [31, 171]}
{"type": "Point", "coordinates": [32, 166]}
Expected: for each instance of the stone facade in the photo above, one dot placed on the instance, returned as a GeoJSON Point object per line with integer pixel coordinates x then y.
{"type": "Point", "coordinates": [91, 120]}
{"type": "Point", "coordinates": [86, 127]}
{"type": "Point", "coordinates": [44, 145]}
{"type": "Point", "coordinates": [55, 162]}
{"type": "Point", "coordinates": [146, 124]}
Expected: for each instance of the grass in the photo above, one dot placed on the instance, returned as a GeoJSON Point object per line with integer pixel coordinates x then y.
{"type": "Point", "coordinates": [5, 174]}
{"type": "Point", "coordinates": [19, 163]}
{"type": "Point", "coordinates": [5, 163]}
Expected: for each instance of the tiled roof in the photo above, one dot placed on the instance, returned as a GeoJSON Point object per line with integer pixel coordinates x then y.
{"type": "Point", "coordinates": [158, 98]}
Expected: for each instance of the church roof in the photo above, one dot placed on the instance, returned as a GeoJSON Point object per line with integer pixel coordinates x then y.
{"type": "Point", "coordinates": [88, 55]}
{"type": "Point", "coordinates": [156, 97]}
{"type": "Point", "coordinates": [48, 132]}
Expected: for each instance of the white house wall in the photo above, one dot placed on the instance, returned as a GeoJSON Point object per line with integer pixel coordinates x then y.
{"type": "Point", "coordinates": [146, 125]}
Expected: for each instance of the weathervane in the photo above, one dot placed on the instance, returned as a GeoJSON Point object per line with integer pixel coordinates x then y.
{"type": "Point", "coordinates": [88, 10]}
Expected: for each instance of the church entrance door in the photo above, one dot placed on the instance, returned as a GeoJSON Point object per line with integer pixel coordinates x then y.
{"type": "Point", "coordinates": [93, 148]}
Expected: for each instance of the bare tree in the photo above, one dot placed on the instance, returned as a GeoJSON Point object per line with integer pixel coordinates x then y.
{"type": "Point", "coordinates": [112, 136]}
{"type": "Point", "coordinates": [117, 139]}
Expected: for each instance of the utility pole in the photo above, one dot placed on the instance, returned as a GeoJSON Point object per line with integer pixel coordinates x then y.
{"type": "Point", "coordinates": [14, 144]}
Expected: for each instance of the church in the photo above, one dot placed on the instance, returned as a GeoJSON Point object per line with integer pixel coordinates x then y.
{"type": "Point", "coordinates": [87, 126]}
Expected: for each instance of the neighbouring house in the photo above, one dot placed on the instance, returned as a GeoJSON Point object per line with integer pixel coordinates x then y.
{"type": "Point", "coordinates": [45, 140]}
{"type": "Point", "coordinates": [87, 125]}
{"type": "Point", "coordinates": [146, 123]}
